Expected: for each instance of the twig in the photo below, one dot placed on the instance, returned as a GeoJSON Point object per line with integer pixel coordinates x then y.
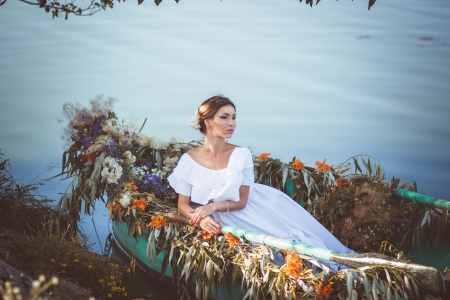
{"type": "Point", "coordinates": [101, 247]}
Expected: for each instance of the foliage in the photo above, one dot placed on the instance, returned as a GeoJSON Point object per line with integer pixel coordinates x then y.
{"type": "Point", "coordinates": [94, 6]}
{"type": "Point", "coordinates": [126, 169]}
{"type": "Point", "coordinates": [210, 259]}
{"type": "Point", "coordinates": [57, 9]}
{"type": "Point", "coordinates": [22, 207]}
{"type": "Point", "coordinates": [76, 115]}
{"type": "Point", "coordinates": [354, 206]}
{"type": "Point", "coordinates": [25, 245]}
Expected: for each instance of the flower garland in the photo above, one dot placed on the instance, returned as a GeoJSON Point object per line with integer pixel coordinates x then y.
{"type": "Point", "coordinates": [131, 169]}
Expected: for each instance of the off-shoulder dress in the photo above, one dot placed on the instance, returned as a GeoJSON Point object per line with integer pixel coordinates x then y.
{"type": "Point", "coordinates": [268, 210]}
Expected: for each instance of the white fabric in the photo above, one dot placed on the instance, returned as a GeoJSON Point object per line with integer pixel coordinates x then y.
{"type": "Point", "coordinates": [268, 210]}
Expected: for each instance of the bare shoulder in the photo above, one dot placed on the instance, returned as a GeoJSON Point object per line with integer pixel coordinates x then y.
{"type": "Point", "coordinates": [196, 152]}
{"type": "Point", "coordinates": [231, 147]}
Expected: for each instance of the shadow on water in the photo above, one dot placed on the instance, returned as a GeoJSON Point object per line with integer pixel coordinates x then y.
{"type": "Point", "coordinates": [92, 7]}
{"type": "Point", "coordinates": [140, 284]}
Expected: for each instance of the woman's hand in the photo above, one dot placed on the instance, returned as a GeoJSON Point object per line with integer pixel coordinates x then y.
{"type": "Point", "coordinates": [210, 225]}
{"type": "Point", "coordinates": [201, 212]}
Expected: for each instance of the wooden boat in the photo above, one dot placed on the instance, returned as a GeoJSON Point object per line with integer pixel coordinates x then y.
{"type": "Point", "coordinates": [428, 275]}
{"type": "Point", "coordinates": [129, 245]}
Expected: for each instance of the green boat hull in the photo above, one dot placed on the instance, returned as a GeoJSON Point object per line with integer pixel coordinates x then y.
{"type": "Point", "coordinates": [130, 245]}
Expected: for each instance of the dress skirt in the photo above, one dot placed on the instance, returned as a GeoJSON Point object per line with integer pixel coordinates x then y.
{"type": "Point", "coordinates": [270, 211]}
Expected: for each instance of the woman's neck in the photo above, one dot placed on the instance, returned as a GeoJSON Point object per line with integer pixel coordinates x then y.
{"type": "Point", "coordinates": [215, 145]}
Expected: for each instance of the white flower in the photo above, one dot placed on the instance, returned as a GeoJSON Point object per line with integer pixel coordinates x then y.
{"type": "Point", "coordinates": [170, 162]}
{"type": "Point", "coordinates": [194, 121]}
{"type": "Point", "coordinates": [138, 173]}
{"type": "Point", "coordinates": [125, 200]}
{"type": "Point", "coordinates": [100, 142]}
{"type": "Point", "coordinates": [111, 171]}
{"type": "Point", "coordinates": [143, 140]}
{"type": "Point", "coordinates": [158, 172]}
{"type": "Point", "coordinates": [129, 157]}
{"type": "Point", "coordinates": [177, 141]}
{"type": "Point", "coordinates": [158, 143]}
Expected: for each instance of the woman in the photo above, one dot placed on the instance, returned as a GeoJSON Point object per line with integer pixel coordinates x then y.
{"type": "Point", "coordinates": [215, 183]}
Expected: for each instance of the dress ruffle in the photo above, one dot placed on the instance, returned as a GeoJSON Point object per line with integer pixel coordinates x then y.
{"type": "Point", "coordinates": [207, 184]}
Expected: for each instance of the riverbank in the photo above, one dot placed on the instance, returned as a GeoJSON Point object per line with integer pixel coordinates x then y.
{"type": "Point", "coordinates": [63, 265]}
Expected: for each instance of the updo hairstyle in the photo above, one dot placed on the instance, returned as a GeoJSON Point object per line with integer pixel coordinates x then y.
{"type": "Point", "coordinates": [209, 108]}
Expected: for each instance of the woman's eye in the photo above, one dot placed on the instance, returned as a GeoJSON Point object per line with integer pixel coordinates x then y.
{"type": "Point", "coordinates": [223, 117]}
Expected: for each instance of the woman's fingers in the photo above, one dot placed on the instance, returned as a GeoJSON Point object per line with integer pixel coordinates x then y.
{"type": "Point", "coordinates": [197, 215]}
{"type": "Point", "coordinates": [214, 227]}
{"type": "Point", "coordinates": [210, 225]}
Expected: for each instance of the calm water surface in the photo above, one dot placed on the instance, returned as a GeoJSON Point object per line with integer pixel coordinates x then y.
{"type": "Point", "coordinates": [330, 81]}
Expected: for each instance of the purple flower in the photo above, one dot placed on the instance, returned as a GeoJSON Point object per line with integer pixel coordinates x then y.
{"type": "Point", "coordinates": [86, 141]}
{"type": "Point", "coordinates": [95, 160]}
{"type": "Point", "coordinates": [111, 149]}
{"type": "Point", "coordinates": [148, 165]}
{"type": "Point", "coordinates": [95, 127]}
{"type": "Point", "coordinates": [73, 138]}
{"type": "Point", "coordinates": [126, 132]}
{"type": "Point", "coordinates": [83, 117]}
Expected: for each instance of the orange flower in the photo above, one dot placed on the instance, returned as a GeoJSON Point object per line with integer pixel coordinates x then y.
{"type": "Point", "coordinates": [263, 156]}
{"type": "Point", "coordinates": [292, 264]}
{"type": "Point", "coordinates": [341, 182]}
{"type": "Point", "coordinates": [132, 186]}
{"type": "Point", "coordinates": [157, 222]}
{"type": "Point", "coordinates": [88, 157]}
{"type": "Point", "coordinates": [326, 290]}
{"type": "Point", "coordinates": [139, 204]}
{"type": "Point", "coordinates": [113, 207]}
{"type": "Point", "coordinates": [232, 239]}
{"type": "Point", "coordinates": [297, 164]}
{"type": "Point", "coordinates": [322, 166]}
{"type": "Point", "coordinates": [206, 235]}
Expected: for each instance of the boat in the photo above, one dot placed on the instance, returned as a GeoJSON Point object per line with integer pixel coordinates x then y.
{"type": "Point", "coordinates": [428, 275]}
{"type": "Point", "coordinates": [128, 171]}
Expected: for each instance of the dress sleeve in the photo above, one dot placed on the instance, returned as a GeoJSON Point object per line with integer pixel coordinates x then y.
{"type": "Point", "coordinates": [248, 172]}
{"type": "Point", "coordinates": [179, 185]}
{"type": "Point", "coordinates": [249, 176]}
{"type": "Point", "coordinates": [176, 181]}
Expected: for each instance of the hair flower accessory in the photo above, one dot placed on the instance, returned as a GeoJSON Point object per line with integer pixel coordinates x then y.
{"type": "Point", "coordinates": [194, 122]}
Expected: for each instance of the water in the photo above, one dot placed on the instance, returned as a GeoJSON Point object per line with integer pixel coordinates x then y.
{"type": "Point", "coordinates": [330, 81]}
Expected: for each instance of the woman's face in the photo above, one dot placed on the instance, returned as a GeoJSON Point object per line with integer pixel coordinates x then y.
{"type": "Point", "coordinates": [224, 122]}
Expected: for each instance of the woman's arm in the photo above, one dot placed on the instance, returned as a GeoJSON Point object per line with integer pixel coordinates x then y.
{"type": "Point", "coordinates": [207, 223]}
{"type": "Point", "coordinates": [183, 205]}
{"type": "Point", "coordinates": [196, 215]}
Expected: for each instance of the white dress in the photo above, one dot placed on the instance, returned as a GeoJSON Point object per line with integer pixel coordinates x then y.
{"type": "Point", "coordinates": [268, 210]}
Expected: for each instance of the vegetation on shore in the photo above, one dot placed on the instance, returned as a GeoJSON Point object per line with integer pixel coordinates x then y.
{"type": "Point", "coordinates": [28, 247]}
